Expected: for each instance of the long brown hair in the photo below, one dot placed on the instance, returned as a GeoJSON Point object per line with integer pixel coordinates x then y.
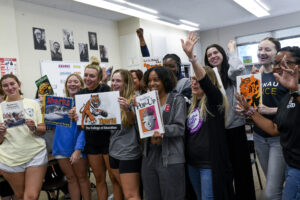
{"type": "Point", "coordinates": [6, 76]}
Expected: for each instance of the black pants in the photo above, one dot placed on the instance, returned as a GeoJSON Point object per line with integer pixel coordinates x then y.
{"type": "Point", "coordinates": [241, 163]}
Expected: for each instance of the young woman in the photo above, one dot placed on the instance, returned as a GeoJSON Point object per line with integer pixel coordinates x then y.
{"type": "Point", "coordinates": [215, 56]}
{"type": "Point", "coordinates": [137, 76]}
{"type": "Point", "coordinates": [23, 154]}
{"type": "Point", "coordinates": [208, 162]}
{"type": "Point", "coordinates": [286, 122]}
{"type": "Point", "coordinates": [268, 148]}
{"type": "Point", "coordinates": [97, 142]}
{"type": "Point", "coordinates": [163, 171]}
{"type": "Point", "coordinates": [124, 149]}
{"type": "Point", "coordinates": [68, 146]}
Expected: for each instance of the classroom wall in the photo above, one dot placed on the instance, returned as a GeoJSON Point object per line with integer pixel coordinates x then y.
{"type": "Point", "coordinates": [223, 35]}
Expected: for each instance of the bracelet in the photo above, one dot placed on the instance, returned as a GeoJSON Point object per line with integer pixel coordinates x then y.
{"type": "Point", "coordinates": [250, 111]}
{"type": "Point", "coordinates": [194, 59]}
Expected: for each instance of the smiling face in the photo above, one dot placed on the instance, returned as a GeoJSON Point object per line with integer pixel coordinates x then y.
{"type": "Point", "coordinates": [117, 82]}
{"type": "Point", "coordinates": [11, 88]}
{"type": "Point", "coordinates": [266, 52]}
{"type": "Point", "coordinates": [154, 82]}
{"type": "Point", "coordinates": [90, 78]}
{"type": "Point", "coordinates": [290, 61]}
{"type": "Point", "coordinates": [73, 85]}
{"type": "Point", "coordinates": [136, 81]}
{"type": "Point", "coordinates": [214, 57]}
{"type": "Point", "coordinates": [196, 89]}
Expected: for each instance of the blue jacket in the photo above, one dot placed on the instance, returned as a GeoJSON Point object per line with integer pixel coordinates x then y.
{"type": "Point", "coordinates": [67, 140]}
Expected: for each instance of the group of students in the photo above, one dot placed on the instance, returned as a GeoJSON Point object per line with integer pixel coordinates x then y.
{"type": "Point", "coordinates": [203, 153]}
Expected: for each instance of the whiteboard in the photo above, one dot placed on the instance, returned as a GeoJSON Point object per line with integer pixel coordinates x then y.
{"type": "Point", "coordinates": [58, 71]}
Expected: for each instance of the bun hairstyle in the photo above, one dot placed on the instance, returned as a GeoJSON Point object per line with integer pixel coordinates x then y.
{"type": "Point", "coordinates": [95, 64]}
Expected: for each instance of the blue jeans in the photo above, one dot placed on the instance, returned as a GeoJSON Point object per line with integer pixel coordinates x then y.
{"type": "Point", "coordinates": [291, 189]}
{"type": "Point", "coordinates": [272, 162]}
{"type": "Point", "coordinates": [201, 180]}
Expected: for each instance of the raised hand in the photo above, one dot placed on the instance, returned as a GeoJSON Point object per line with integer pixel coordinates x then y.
{"type": "Point", "coordinates": [140, 32]}
{"type": "Point", "coordinates": [188, 45]}
{"type": "Point", "coordinates": [231, 46]}
{"type": "Point", "coordinates": [287, 76]}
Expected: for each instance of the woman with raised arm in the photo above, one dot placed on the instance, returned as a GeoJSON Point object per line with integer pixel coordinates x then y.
{"type": "Point", "coordinates": [207, 156]}
{"type": "Point", "coordinates": [163, 171]}
{"type": "Point", "coordinates": [124, 150]}
{"type": "Point", "coordinates": [229, 67]}
{"type": "Point", "coordinates": [68, 148]}
{"type": "Point", "coordinates": [23, 154]}
{"type": "Point", "coordinates": [287, 120]}
{"type": "Point", "coordinates": [97, 142]}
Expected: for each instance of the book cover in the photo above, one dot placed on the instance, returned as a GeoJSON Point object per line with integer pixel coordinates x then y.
{"type": "Point", "coordinates": [44, 86]}
{"type": "Point", "coordinates": [56, 110]}
{"type": "Point", "coordinates": [148, 114]}
{"type": "Point", "coordinates": [249, 86]}
{"type": "Point", "coordinates": [98, 111]}
{"type": "Point", "coordinates": [13, 114]}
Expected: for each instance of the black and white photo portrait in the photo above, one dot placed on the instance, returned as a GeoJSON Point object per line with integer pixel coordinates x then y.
{"type": "Point", "coordinates": [83, 52]}
{"type": "Point", "coordinates": [39, 38]}
{"type": "Point", "coordinates": [55, 51]}
{"type": "Point", "coordinates": [68, 39]}
{"type": "Point", "coordinates": [103, 53]}
{"type": "Point", "coordinates": [93, 41]}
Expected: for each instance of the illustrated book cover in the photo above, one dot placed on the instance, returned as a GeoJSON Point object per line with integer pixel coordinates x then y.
{"type": "Point", "coordinates": [98, 111]}
{"type": "Point", "coordinates": [44, 86]}
{"type": "Point", "coordinates": [148, 114]}
{"type": "Point", "coordinates": [13, 114]}
{"type": "Point", "coordinates": [250, 87]}
{"type": "Point", "coordinates": [56, 110]}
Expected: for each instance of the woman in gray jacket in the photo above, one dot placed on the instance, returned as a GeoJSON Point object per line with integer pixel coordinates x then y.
{"type": "Point", "coordinates": [163, 172]}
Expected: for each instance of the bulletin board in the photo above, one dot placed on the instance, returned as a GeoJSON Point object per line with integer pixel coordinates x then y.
{"type": "Point", "coordinates": [58, 71]}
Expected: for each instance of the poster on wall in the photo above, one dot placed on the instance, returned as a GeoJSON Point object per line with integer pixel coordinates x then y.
{"type": "Point", "coordinates": [83, 52]}
{"type": "Point", "coordinates": [98, 111]}
{"type": "Point", "coordinates": [8, 66]}
{"type": "Point", "coordinates": [103, 53]}
{"type": "Point", "coordinates": [39, 38]}
{"type": "Point", "coordinates": [55, 51]}
{"type": "Point", "coordinates": [68, 39]}
{"type": "Point", "coordinates": [150, 62]}
{"type": "Point", "coordinates": [93, 41]}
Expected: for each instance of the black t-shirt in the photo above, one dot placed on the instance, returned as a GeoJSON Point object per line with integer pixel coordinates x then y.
{"type": "Point", "coordinates": [288, 124]}
{"type": "Point", "coordinates": [97, 138]}
{"type": "Point", "coordinates": [272, 93]}
{"type": "Point", "coordinates": [198, 133]}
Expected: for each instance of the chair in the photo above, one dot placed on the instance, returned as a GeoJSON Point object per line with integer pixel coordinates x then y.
{"type": "Point", "coordinates": [54, 180]}
{"type": "Point", "coordinates": [253, 160]}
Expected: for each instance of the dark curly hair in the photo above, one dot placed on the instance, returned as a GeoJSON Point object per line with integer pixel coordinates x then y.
{"type": "Point", "coordinates": [294, 51]}
{"type": "Point", "coordinates": [166, 76]}
{"type": "Point", "coordinates": [177, 61]}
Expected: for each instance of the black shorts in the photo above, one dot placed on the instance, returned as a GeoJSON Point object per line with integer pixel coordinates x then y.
{"type": "Point", "coordinates": [5, 189]}
{"type": "Point", "coordinates": [96, 142]}
{"type": "Point", "coordinates": [126, 166]}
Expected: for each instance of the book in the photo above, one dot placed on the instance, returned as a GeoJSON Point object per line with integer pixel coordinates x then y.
{"type": "Point", "coordinates": [56, 110]}
{"type": "Point", "coordinates": [148, 114]}
{"type": "Point", "coordinates": [44, 86]}
{"type": "Point", "coordinates": [98, 111]}
{"type": "Point", "coordinates": [13, 114]}
{"type": "Point", "coordinates": [250, 87]}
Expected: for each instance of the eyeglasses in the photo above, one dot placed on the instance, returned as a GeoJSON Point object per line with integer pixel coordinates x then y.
{"type": "Point", "coordinates": [287, 62]}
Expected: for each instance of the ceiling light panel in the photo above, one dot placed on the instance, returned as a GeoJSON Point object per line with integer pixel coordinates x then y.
{"type": "Point", "coordinates": [253, 7]}
{"type": "Point", "coordinates": [189, 22]}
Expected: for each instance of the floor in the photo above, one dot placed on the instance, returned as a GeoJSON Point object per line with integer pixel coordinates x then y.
{"type": "Point", "coordinates": [259, 192]}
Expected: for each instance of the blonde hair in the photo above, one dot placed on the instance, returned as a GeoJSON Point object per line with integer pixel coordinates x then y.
{"type": "Point", "coordinates": [95, 64]}
{"type": "Point", "coordinates": [202, 103]}
{"type": "Point", "coordinates": [127, 93]}
{"type": "Point", "coordinates": [78, 77]}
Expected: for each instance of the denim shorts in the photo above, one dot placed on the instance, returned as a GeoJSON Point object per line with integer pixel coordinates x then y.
{"type": "Point", "coordinates": [38, 160]}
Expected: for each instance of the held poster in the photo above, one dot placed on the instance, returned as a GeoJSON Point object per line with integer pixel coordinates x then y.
{"type": "Point", "coordinates": [56, 110]}
{"type": "Point", "coordinates": [148, 114]}
{"type": "Point", "coordinates": [13, 114]}
{"type": "Point", "coordinates": [249, 86]}
{"type": "Point", "coordinates": [98, 111]}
